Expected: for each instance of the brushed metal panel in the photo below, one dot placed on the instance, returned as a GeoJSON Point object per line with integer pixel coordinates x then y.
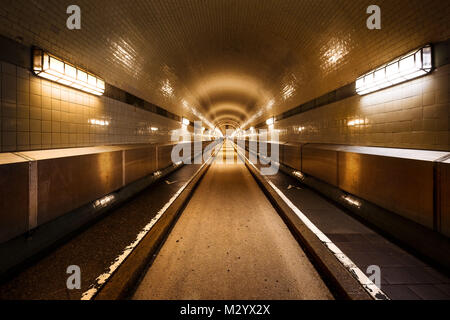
{"type": "Point", "coordinates": [292, 156]}
{"type": "Point", "coordinates": [281, 151]}
{"type": "Point", "coordinates": [70, 182]}
{"type": "Point", "coordinates": [13, 200]}
{"type": "Point", "coordinates": [139, 162]}
{"type": "Point", "coordinates": [320, 162]}
{"type": "Point", "coordinates": [445, 197]}
{"type": "Point", "coordinates": [194, 152]}
{"type": "Point", "coordinates": [164, 153]}
{"type": "Point", "coordinates": [268, 146]}
{"type": "Point", "coordinates": [404, 186]}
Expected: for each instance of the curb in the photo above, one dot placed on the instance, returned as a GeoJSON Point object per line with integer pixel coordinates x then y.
{"type": "Point", "coordinates": [126, 277]}
{"type": "Point", "coordinates": [344, 286]}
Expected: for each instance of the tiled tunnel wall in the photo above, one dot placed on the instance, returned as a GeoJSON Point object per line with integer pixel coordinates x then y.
{"type": "Point", "coordinates": [312, 47]}
{"type": "Point", "coordinates": [411, 115]}
{"type": "Point", "coordinates": [39, 114]}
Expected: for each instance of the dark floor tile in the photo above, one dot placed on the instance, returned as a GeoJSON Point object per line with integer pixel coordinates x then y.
{"type": "Point", "coordinates": [408, 275]}
{"type": "Point", "coordinates": [442, 278]}
{"type": "Point", "coordinates": [410, 261]}
{"type": "Point", "coordinates": [444, 288]}
{"type": "Point", "coordinates": [375, 258]}
{"type": "Point", "coordinates": [399, 292]}
{"type": "Point", "coordinates": [348, 246]}
{"type": "Point", "coordinates": [346, 237]}
{"type": "Point", "coordinates": [364, 269]}
{"type": "Point", "coordinates": [338, 238]}
{"type": "Point", "coordinates": [376, 238]}
{"type": "Point", "coordinates": [429, 292]}
{"type": "Point", "coordinates": [331, 222]}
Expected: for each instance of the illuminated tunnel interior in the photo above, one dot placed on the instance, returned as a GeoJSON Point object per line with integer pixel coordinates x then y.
{"type": "Point", "coordinates": [224, 150]}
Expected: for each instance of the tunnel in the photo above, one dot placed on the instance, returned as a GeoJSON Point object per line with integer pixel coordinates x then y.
{"type": "Point", "coordinates": [224, 150]}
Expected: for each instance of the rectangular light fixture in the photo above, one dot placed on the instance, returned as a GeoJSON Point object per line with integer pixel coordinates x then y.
{"type": "Point", "coordinates": [185, 121]}
{"type": "Point", "coordinates": [407, 67]}
{"type": "Point", "coordinates": [52, 68]}
{"type": "Point", "coordinates": [356, 122]}
{"type": "Point", "coordinates": [99, 122]}
{"type": "Point", "coordinates": [269, 121]}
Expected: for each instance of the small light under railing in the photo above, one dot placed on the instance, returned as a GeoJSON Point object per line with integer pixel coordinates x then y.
{"type": "Point", "coordinates": [103, 202]}
{"type": "Point", "coordinates": [352, 201]}
{"type": "Point", "coordinates": [407, 67]}
{"type": "Point", "coordinates": [154, 129]}
{"type": "Point", "coordinates": [55, 69]}
{"type": "Point", "coordinates": [157, 173]}
{"type": "Point", "coordinates": [298, 174]}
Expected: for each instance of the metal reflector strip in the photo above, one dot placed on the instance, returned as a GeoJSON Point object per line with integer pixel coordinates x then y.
{"type": "Point", "coordinates": [33, 195]}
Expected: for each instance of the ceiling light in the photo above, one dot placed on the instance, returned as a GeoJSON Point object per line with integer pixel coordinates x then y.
{"type": "Point", "coordinates": [288, 91]}
{"type": "Point", "coordinates": [52, 68]}
{"type": "Point", "coordinates": [166, 88]}
{"type": "Point", "coordinates": [407, 67]}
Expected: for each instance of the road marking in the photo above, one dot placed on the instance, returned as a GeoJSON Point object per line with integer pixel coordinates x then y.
{"type": "Point", "coordinates": [357, 273]}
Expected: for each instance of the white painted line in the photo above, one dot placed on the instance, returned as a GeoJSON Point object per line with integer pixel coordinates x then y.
{"type": "Point", "coordinates": [357, 273]}
{"type": "Point", "coordinates": [103, 278]}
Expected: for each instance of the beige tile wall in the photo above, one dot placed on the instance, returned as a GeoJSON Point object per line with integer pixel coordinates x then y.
{"type": "Point", "coordinates": [312, 46]}
{"type": "Point", "coordinates": [39, 114]}
{"type": "Point", "coordinates": [411, 115]}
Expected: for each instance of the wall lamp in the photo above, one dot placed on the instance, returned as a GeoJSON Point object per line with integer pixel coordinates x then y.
{"type": "Point", "coordinates": [407, 67]}
{"type": "Point", "coordinates": [269, 121]}
{"type": "Point", "coordinates": [185, 121]}
{"type": "Point", "coordinates": [99, 122]}
{"type": "Point", "coordinates": [55, 69]}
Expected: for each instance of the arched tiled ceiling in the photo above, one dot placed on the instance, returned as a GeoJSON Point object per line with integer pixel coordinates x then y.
{"type": "Point", "coordinates": [236, 113]}
{"type": "Point", "coordinates": [225, 124]}
{"type": "Point", "coordinates": [239, 98]}
{"type": "Point", "coordinates": [227, 117]}
{"type": "Point", "coordinates": [249, 52]}
{"type": "Point", "coordinates": [218, 109]}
